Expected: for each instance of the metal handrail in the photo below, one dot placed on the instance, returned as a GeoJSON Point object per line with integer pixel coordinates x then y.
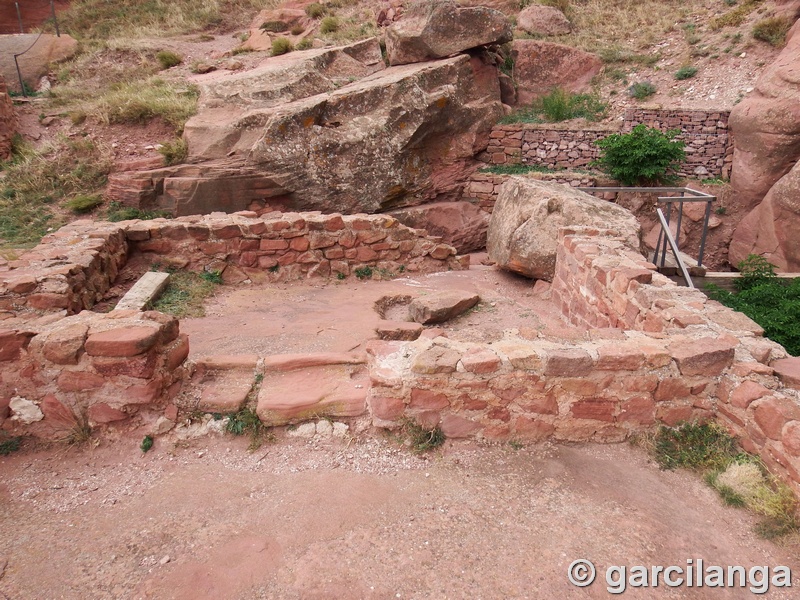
{"type": "Point", "coordinates": [673, 244]}
{"type": "Point", "coordinates": [686, 195]}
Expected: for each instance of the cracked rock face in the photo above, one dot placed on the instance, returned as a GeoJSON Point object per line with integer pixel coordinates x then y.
{"type": "Point", "coordinates": [332, 130]}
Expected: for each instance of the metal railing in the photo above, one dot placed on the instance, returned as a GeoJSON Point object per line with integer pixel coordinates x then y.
{"type": "Point", "coordinates": [686, 195]}
{"type": "Point", "coordinates": [674, 246]}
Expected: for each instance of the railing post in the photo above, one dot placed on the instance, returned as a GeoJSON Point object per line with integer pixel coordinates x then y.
{"type": "Point", "coordinates": [55, 21]}
{"type": "Point", "coordinates": [19, 18]}
{"type": "Point", "coordinates": [705, 233]}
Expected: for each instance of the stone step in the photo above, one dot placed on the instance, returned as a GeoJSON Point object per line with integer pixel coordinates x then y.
{"type": "Point", "coordinates": [290, 362]}
{"type": "Point", "coordinates": [331, 390]}
{"type": "Point", "coordinates": [225, 391]}
{"type": "Point", "coordinates": [145, 290]}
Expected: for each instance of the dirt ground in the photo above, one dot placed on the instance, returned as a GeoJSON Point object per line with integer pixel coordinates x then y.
{"type": "Point", "coordinates": [359, 516]}
{"type": "Point", "coordinates": [355, 519]}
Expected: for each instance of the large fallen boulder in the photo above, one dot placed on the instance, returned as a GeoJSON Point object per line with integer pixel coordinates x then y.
{"type": "Point", "coordinates": [523, 229]}
{"type": "Point", "coordinates": [541, 66]}
{"type": "Point", "coordinates": [297, 134]}
{"type": "Point", "coordinates": [460, 224]}
{"type": "Point", "coordinates": [770, 229]}
{"type": "Point", "coordinates": [765, 127]}
{"type": "Point", "coordinates": [437, 30]}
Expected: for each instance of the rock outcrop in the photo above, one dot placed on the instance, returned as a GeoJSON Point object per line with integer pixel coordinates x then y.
{"type": "Point", "coordinates": [463, 225]}
{"type": "Point", "coordinates": [770, 230]}
{"type": "Point", "coordinates": [541, 66]}
{"type": "Point", "coordinates": [523, 230]}
{"type": "Point", "coordinates": [543, 20]}
{"type": "Point", "coordinates": [766, 127]}
{"type": "Point", "coordinates": [39, 52]}
{"type": "Point", "coordinates": [328, 130]}
{"type": "Point", "coordinates": [8, 121]}
{"type": "Point", "coordinates": [430, 31]}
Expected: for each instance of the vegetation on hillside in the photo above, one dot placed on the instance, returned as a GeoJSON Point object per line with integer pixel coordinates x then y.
{"type": "Point", "coordinates": [645, 156]}
{"type": "Point", "coordinates": [771, 302]}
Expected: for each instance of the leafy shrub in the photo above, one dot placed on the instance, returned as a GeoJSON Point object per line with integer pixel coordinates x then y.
{"type": "Point", "coordinates": [7, 446]}
{"type": "Point", "coordinates": [772, 30]}
{"type": "Point", "coordinates": [168, 59]}
{"type": "Point", "coordinates": [316, 10]}
{"type": "Point", "coordinates": [363, 272]}
{"type": "Point", "coordinates": [329, 25]}
{"type": "Point", "coordinates": [685, 73]}
{"type": "Point", "coordinates": [84, 203]}
{"type": "Point", "coordinates": [771, 302]}
{"type": "Point", "coordinates": [641, 90]}
{"type": "Point", "coordinates": [643, 156]}
{"type": "Point", "coordinates": [147, 444]}
{"type": "Point", "coordinates": [281, 45]}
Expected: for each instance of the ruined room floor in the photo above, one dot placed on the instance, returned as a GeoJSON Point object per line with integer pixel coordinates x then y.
{"type": "Point", "coordinates": [340, 316]}
{"type": "Point", "coordinates": [313, 519]}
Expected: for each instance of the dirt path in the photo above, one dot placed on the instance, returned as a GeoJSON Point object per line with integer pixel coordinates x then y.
{"type": "Point", "coordinates": [364, 519]}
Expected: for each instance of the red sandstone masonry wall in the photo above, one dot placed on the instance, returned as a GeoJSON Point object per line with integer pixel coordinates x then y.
{"type": "Point", "coordinates": [96, 367]}
{"type": "Point", "coordinates": [482, 188]}
{"type": "Point", "coordinates": [709, 147]}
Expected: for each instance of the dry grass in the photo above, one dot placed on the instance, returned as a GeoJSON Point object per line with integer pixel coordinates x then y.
{"type": "Point", "coordinates": [101, 19]}
{"type": "Point", "coordinates": [140, 102]}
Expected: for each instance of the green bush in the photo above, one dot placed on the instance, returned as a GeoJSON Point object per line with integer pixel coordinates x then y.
{"type": "Point", "coordinates": [771, 302]}
{"type": "Point", "coordinates": [329, 25]}
{"type": "Point", "coordinates": [772, 30]}
{"type": "Point", "coordinates": [304, 44]}
{"type": "Point", "coordinates": [281, 45]}
{"type": "Point", "coordinates": [168, 59]}
{"type": "Point", "coordinates": [560, 105]}
{"type": "Point", "coordinates": [174, 152]}
{"type": "Point", "coordinates": [315, 10]}
{"type": "Point", "coordinates": [685, 73]}
{"type": "Point", "coordinates": [645, 156]}
{"type": "Point", "coordinates": [84, 203]}
{"type": "Point", "coordinates": [641, 90]}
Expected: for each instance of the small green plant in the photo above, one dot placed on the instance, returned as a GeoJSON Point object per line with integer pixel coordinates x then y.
{"type": "Point", "coordinates": [168, 59]}
{"type": "Point", "coordinates": [363, 272]}
{"type": "Point", "coordinates": [9, 445]}
{"type": "Point", "coordinates": [772, 30]}
{"type": "Point", "coordinates": [297, 29]}
{"type": "Point", "coordinates": [721, 210]}
{"type": "Point", "coordinates": [117, 212]}
{"type": "Point", "coordinates": [185, 294]}
{"type": "Point", "coordinates": [316, 10]}
{"type": "Point", "coordinates": [341, 276]}
{"type": "Point", "coordinates": [274, 26]}
{"type": "Point", "coordinates": [28, 91]}
{"type": "Point", "coordinates": [174, 152]}
{"type": "Point", "coordinates": [214, 277]}
{"type": "Point", "coordinates": [516, 169]}
{"type": "Point", "coordinates": [735, 17]}
{"type": "Point", "coordinates": [643, 156]}
{"type": "Point", "coordinates": [755, 270]}
{"type": "Point", "coordinates": [246, 422]}
{"type": "Point", "coordinates": [274, 268]}
{"type": "Point", "coordinates": [147, 444]}
{"type": "Point", "coordinates": [84, 203]}
{"type": "Point", "coordinates": [329, 24]}
{"type": "Point", "coordinates": [281, 45]}
{"type": "Point", "coordinates": [422, 439]}
{"type": "Point", "coordinates": [686, 72]}
{"type": "Point", "coordinates": [516, 444]}
{"type": "Point", "coordinates": [560, 105]}
{"type": "Point", "coordinates": [641, 90]}
{"type": "Point", "coordinates": [80, 433]}
{"type": "Point", "coordinates": [694, 446]}
{"type": "Point", "coordinates": [304, 44]}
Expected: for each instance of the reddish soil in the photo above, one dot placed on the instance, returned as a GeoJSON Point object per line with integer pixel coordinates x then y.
{"type": "Point", "coordinates": [354, 519]}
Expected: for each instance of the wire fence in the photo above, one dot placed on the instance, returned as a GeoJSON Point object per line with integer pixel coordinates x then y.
{"type": "Point", "coordinates": [24, 16]}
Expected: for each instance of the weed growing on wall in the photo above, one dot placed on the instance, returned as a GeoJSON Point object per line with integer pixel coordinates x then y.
{"type": "Point", "coordinates": [560, 105]}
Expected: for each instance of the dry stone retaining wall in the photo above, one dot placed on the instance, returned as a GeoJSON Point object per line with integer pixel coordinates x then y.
{"type": "Point", "coordinates": [482, 188]}
{"type": "Point", "coordinates": [709, 147]}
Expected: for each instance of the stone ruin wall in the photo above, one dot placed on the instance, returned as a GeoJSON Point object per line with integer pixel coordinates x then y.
{"type": "Point", "coordinates": [709, 147]}
{"type": "Point", "coordinates": [61, 363]}
{"type": "Point", "coordinates": [655, 353]}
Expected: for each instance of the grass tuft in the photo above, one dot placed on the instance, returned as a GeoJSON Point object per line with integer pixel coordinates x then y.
{"type": "Point", "coordinates": [315, 10]}
{"type": "Point", "coordinates": [9, 445]}
{"type": "Point", "coordinates": [83, 204]}
{"type": "Point", "coordinates": [735, 17]}
{"type": "Point", "coordinates": [518, 169]}
{"type": "Point", "coordinates": [641, 90]}
{"type": "Point", "coordinates": [281, 45]}
{"type": "Point", "coordinates": [168, 59]}
{"type": "Point", "coordinates": [773, 30]}
{"type": "Point", "coordinates": [185, 294]}
{"type": "Point", "coordinates": [560, 105]}
{"type": "Point", "coordinates": [141, 102]}
{"type": "Point", "coordinates": [694, 446]}
{"type": "Point", "coordinates": [174, 152]}
{"type": "Point", "coordinates": [422, 439]}
{"type": "Point", "coordinates": [117, 212]}
{"type": "Point", "coordinates": [329, 24]}
{"type": "Point", "coordinates": [686, 72]}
